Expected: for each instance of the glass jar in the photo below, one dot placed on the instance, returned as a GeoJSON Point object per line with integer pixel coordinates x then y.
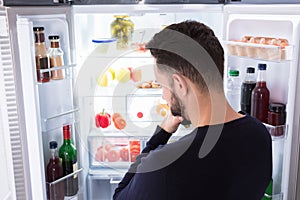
{"type": "Point", "coordinates": [122, 28]}
{"type": "Point", "coordinates": [277, 118]}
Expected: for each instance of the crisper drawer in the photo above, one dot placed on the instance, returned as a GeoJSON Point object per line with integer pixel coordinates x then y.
{"type": "Point", "coordinates": [102, 187]}
{"type": "Point", "coordinates": [116, 152]}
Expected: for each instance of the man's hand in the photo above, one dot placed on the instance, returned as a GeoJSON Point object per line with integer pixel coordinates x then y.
{"type": "Point", "coordinates": [171, 123]}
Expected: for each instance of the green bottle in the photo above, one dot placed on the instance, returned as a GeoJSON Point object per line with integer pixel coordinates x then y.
{"type": "Point", "coordinates": [268, 192]}
{"type": "Point", "coordinates": [68, 154]}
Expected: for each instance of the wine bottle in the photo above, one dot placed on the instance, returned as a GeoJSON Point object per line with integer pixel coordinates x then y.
{"type": "Point", "coordinates": [68, 154]}
{"type": "Point", "coordinates": [54, 172]}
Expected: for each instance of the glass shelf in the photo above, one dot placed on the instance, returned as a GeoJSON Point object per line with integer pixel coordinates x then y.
{"type": "Point", "coordinates": [259, 51]}
{"type": "Point", "coordinates": [274, 196]}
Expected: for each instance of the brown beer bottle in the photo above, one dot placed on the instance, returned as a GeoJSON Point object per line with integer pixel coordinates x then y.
{"type": "Point", "coordinates": [41, 57]}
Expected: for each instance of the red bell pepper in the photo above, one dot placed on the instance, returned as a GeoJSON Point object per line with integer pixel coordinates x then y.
{"type": "Point", "coordinates": [102, 119]}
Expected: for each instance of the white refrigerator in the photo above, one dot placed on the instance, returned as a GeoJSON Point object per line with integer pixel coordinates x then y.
{"type": "Point", "coordinates": [33, 113]}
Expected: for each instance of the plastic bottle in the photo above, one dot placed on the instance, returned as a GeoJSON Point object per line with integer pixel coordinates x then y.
{"type": "Point", "coordinates": [54, 172]}
{"type": "Point", "coordinates": [260, 96]}
{"type": "Point", "coordinates": [56, 57]}
{"type": "Point", "coordinates": [233, 92]}
{"type": "Point", "coordinates": [41, 56]}
{"type": "Point", "coordinates": [247, 87]}
{"type": "Point", "coordinates": [68, 154]}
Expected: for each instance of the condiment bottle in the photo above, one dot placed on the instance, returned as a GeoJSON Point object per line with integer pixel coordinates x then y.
{"type": "Point", "coordinates": [41, 57]}
{"type": "Point", "coordinates": [68, 154]}
{"type": "Point", "coordinates": [276, 114]}
{"type": "Point", "coordinates": [247, 87]}
{"type": "Point", "coordinates": [56, 57]}
{"type": "Point", "coordinates": [54, 172]}
{"type": "Point", "coordinates": [276, 117]}
{"type": "Point", "coordinates": [260, 96]}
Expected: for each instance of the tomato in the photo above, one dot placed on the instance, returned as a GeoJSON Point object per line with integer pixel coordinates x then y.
{"type": "Point", "coordinates": [119, 121]}
{"type": "Point", "coordinates": [124, 154]}
{"type": "Point", "coordinates": [139, 115]}
{"type": "Point", "coordinates": [102, 119]}
{"type": "Point", "coordinates": [113, 155]}
{"type": "Point", "coordinates": [100, 156]}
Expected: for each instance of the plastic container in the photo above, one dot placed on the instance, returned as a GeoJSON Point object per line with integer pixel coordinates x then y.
{"type": "Point", "coordinates": [233, 90]}
{"type": "Point", "coordinates": [104, 45]}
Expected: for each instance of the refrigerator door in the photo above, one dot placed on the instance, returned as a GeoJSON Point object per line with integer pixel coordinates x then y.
{"type": "Point", "coordinates": [42, 108]}
{"type": "Point", "coordinates": [262, 23]}
{"type": "Point", "coordinates": [7, 119]}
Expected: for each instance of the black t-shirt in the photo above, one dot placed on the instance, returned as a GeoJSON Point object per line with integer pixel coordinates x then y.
{"type": "Point", "coordinates": [237, 167]}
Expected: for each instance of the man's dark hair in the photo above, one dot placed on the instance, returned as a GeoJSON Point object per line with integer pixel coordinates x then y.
{"type": "Point", "coordinates": [199, 33]}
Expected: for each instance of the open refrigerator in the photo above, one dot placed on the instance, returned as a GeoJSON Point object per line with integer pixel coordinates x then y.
{"type": "Point", "coordinates": [37, 111]}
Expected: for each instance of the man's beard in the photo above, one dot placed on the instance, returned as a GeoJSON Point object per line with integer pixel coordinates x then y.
{"type": "Point", "coordinates": [177, 107]}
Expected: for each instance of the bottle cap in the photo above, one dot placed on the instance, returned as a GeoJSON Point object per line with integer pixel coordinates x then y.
{"type": "Point", "coordinates": [234, 72]}
{"type": "Point", "coordinates": [262, 66]}
{"type": "Point", "coordinates": [66, 131]}
{"type": "Point", "coordinates": [250, 70]}
{"type": "Point", "coordinates": [38, 28]}
{"type": "Point", "coordinates": [277, 107]}
{"type": "Point", "coordinates": [53, 37]}
{"type": "Point", "coordinates": [53, 145]}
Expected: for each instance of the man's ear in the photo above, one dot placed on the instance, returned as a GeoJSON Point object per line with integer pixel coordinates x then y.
{"type": "Point", "coordinates": [180, 84]}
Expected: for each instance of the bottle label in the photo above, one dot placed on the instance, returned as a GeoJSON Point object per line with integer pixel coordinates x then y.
{"type": "Point", "coordinates": [75, 168]}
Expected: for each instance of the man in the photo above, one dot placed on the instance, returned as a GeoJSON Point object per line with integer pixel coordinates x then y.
{"type": "Point", "coordinates": [227, 156]}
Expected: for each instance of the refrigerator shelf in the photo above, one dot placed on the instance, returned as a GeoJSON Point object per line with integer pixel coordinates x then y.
{"type": "Point", "coordinates": [58, 185]}
{"type": "Point", "coordinates": [277, 132]}
{"type": "Point", "coordinates": [259, 51]}
{"type": "Point", "coordinates": [67, 69]}
{"type": "Point", "coordinates": [115, 152]}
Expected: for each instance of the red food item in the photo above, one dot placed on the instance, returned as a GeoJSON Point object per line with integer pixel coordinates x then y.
{"type": "Point", "coordinates": [124, 154]}
{"type": "Point", "coordinates": [113, 155]}
{"type": "Point", "coordinates": [119, 121]}
{"type": "Point", "coordinates": [102, 119]}
{"type": "Point", "coordinates": [100, 155]}
{"type": "Point", "coordinates": [133, 156]}
{"type": "Point", "coordinates": [108, 146]}
{"type": "Point", "coordinates": [139, 115]}
{"type": "Point", "coordinates": [135, 148]}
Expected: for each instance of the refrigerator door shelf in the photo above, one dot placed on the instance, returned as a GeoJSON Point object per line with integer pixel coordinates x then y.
{"type": "Point", "coordinates": [260, 51]}
{"type": "Point", "coordinates": [277, 132]}
{"type": "Point", "coordinates": [67, 70]}
{"type": "Point", "coordinates": [57, 186]}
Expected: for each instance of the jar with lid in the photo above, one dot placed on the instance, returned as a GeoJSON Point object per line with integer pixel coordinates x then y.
{"type": "Point", "coordinates": [277, 117]}
{"type": "Point", "coordinates": [122, 28]}
{"type": "Point", "coordinates": [41, 55]}
{"type": "Point", "coordinates": [56, 57]}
